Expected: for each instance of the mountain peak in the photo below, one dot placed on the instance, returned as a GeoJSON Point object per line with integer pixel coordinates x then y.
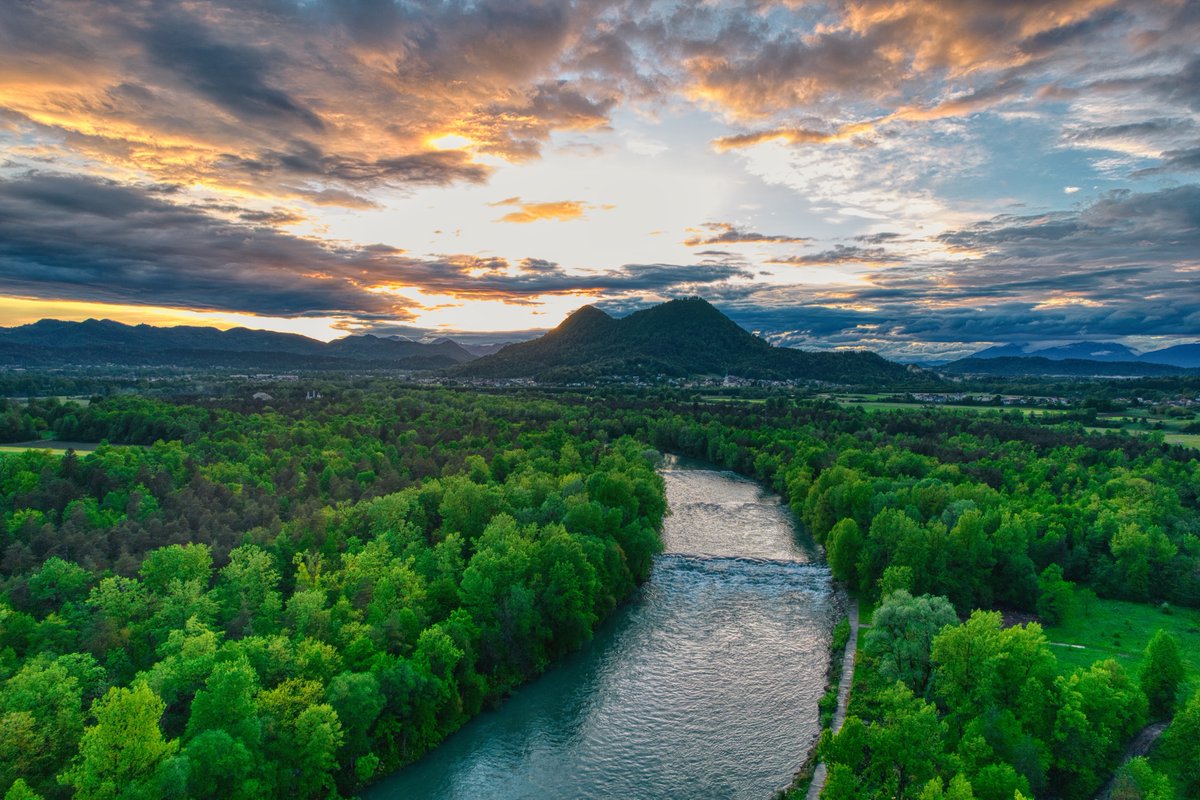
{"type": "Point", "coordinates": [684, 337]}
{"type": "Point", "coordinates": [687, 309]}
{"type": "Point", "coordinates": [585, 315]}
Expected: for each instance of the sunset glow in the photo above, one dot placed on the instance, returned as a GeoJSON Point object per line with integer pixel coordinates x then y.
{"type": "Point", "coordinates": [1028, 170]}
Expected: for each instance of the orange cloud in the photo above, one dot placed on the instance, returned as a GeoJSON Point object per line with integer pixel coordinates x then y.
{"type": "Point", "coordinates": [561, 211]}
{"type": "Point", "coordinates": [793, 136]}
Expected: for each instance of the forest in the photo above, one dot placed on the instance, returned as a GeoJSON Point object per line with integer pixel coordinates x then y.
{"type": "Point", "coordinates": [232, 599]}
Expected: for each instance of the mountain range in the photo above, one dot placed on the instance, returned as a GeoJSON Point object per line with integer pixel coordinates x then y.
{"type": "Point", "coordinates": [680, 338]}
{"type": "Point", "coordinates": [54, 343]}
{"type": "Point", "coordinates": [1186, 356]}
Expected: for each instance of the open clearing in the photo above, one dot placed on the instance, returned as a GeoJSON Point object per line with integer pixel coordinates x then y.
{"type": "Point", "coordinates": [1121, 630]}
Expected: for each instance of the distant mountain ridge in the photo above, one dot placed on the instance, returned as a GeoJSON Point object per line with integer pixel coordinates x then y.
{"type": "Point", "coordinates": [680, 338]}
{"type": "Point", "coordinates": [1186, 356]}
{"type": "Point", "coordinates": [1181, 355]}
{"type": "Point", "coordinates": [55, 343]}
{"type": "Point", "coordinates": [1089, 351]}
{"type": "Point", "coordinates": [1013, 366]}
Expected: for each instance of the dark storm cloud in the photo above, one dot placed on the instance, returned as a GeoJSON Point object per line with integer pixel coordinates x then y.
{"type": "Point", "coordinates": [65, 236]}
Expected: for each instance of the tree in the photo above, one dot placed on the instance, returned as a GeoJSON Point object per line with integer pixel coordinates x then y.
{"type": "Point", "coordinates": [182, 563]}
{"type": "Point", "coordinates": [20, 791]}
{"type": "Point", "coordinates": [906, 741]}
{"type": "Point", "coordinates": [1054, 595]}
{"type": "Point", "coordinates": [302, 736]}
{"type": "Point", "coordinates": [318, 735]}
{"type": "Point", "coordinates": [248, 591]}
{"type": "Point", "coordinates": [221, 767]}
{"type": "Point", "coordinates": [41, 717]}
{"type": "Point", "coordinates": [358, 702]}
{"type": "Point", "coordinates": [58, 582]}
{"type": "Point", "coordinates": [1137, 780]}
{"type": "Point", "coordinates": [227, 703]}
{"type": "Point", "coordinates": [895, 579]}
{"type": "Point", "coordinates": [1181, 744]}
{"type": "Point", "coordinates": [842, 547]}
{"type": "Point", "coordinates": [1161, 674]}
{"type": "Point", "coordinates": [1099, 709]}
{"type": "Point", "coordinates": [124, 755]}
{"type": "Point", "coordinates": [902, 632]}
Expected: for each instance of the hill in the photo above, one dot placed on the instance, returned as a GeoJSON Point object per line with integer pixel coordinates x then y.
{"type": "Point", "coordinates": [681, 338]}
{"type": "Point", "coordinates": [55, 343]}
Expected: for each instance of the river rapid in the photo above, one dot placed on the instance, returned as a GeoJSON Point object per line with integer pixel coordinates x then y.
{"type": "Point", "coordinates": [704, 685]}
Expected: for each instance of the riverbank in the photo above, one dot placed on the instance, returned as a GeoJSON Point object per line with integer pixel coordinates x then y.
{"type": "Point", "coordinates": [810, 778]}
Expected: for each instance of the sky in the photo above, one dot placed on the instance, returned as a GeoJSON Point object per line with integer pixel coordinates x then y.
{"type": "Point", "coordinates": [919, 178]}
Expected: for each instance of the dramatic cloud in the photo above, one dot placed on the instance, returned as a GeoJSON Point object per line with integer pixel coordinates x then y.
{"type": "Point", "coordinates": [70, 237]}
{"type": "Point", "coordinates": [295, 98]}
{"type": "Point", "coordinates": [727, 233]}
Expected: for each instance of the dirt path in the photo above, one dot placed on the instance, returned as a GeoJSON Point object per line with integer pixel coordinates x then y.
{"type": "Point", "coordinates": [1140, 746]}
{"type": "Point", "coordinates": [839, 714]}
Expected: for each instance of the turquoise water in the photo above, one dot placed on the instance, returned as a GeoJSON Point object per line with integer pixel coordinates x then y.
{"type": "Point", "coordinates": [704, 686]}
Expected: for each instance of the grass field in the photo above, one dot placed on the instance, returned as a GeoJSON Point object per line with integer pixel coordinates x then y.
{"type": "Point", "coordinates": [49, 444]}
{"type": "Point", "coordinates": [1121, 630]}
{"type": "Point", "coordinates": [1185, 439]}
{"type": "Point", "coordinates": [1143, 420]}
{"type": "Point", "coordinates": [717, 398]}
{"type": "Point", "coordinates": [889, 405]}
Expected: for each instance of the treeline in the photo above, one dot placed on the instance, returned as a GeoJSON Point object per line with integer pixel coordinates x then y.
{"type": "Point", "coordinates": [340, 588]}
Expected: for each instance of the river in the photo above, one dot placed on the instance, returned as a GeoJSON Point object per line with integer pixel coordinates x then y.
{"type": "Point", "coordinates": [705, 685]}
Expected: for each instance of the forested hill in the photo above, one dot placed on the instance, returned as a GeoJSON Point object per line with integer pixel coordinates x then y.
{"type": "Point", "coordinates": [55, 343]}
{"type": "Point", "coordinates": [681, 338]}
